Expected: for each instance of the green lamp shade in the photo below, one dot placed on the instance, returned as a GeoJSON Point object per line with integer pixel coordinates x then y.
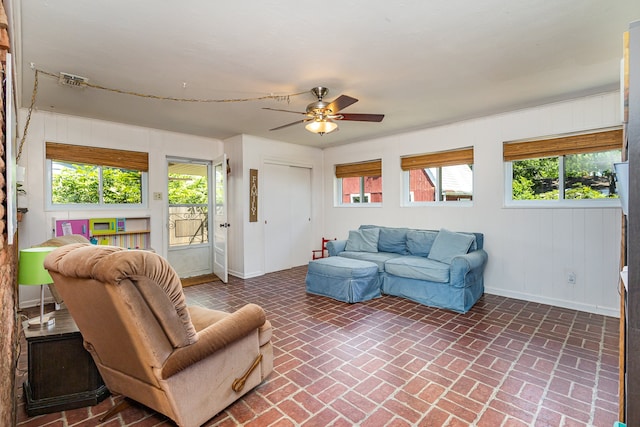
{"type": "Point", "coordinates": [31, 269]}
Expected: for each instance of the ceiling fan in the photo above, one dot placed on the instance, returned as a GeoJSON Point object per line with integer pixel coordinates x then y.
{"type": "Point", "coordinates": [321, 115]}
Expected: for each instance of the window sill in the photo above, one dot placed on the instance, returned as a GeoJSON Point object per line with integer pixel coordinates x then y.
{"type": "Point", "coordinates": [563, 204]}
{"type": "Point", "coordinates": [359, 205]}
{"type": "Point", "coordinates": [445, 204]}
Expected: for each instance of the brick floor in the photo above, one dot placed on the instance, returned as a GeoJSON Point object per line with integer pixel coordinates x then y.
{"type": "Point", "coordinates": [392, 362]}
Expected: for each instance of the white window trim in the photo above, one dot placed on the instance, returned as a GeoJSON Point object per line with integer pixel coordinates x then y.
{"type": "Point", "coordinates": [50, 206]}
{"type": "Point", "coordinates": [546, 204]}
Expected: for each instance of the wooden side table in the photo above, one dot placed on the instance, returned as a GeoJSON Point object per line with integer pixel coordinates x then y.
{"type": "Point", "coordinates": [62, 374]}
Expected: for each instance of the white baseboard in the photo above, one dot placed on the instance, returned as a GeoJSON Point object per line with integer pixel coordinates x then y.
{"type": "Point", "coordinates": [588, 308]}
{"type": "Point", "coordinates": [247, 275]}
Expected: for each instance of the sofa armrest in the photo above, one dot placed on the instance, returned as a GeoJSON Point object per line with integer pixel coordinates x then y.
{"type": "Point", "coordinates": [334, 247]}
{"type": "Point", "coordinates": [215, 337]}
{"type": "Point", "coordinates": [462, 265]}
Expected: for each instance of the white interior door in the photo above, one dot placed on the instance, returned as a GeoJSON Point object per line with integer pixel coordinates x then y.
{"type": "Point", "coordinates": [190, 249]}
{"type": "Point", "coordinates": [276, 217]}
{"type": "Point", "coordinates": [220, 224]}
{"type": "Point", "coordinates": [300, 202]}
{"type": "Point", "coordinates": [287, 216]}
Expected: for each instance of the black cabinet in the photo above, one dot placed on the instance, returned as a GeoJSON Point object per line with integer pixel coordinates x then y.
{"type": "Point", "coordinates": [62, 374]}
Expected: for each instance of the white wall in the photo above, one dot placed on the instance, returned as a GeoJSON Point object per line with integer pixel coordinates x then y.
{"type": "Point", "coordinates": [247, 257]}
{"type": "Point", "coordinates": [530, 250]}
{"type": "Point", "coordinates": [36, 226]}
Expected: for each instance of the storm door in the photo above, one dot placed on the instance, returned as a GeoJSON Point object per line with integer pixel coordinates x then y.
{"type": "Point", "coordinates": [190, 250]}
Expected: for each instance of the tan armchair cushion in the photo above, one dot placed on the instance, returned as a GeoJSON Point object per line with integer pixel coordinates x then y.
{"type": "Point", "coordinates": [113, 264]}
{"type": "Point", "coordinates": [221, 331]}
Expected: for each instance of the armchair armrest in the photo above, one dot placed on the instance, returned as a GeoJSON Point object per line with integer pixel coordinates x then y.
{"type": "Point", "coordinates": [334, 247]}
{"type": "Point", "coordinates": [215, 337]}
{"type": "Point", "coordinates": [461, 265]}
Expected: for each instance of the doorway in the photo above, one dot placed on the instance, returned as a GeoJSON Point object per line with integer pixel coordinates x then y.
{"type": "Point", "coordinates": [190, 248]}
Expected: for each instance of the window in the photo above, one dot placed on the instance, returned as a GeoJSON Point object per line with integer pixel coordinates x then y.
{"type": "Point", "coordinates": [438, 177]}
{"type": "Point", "coordinates": [359, 183]}
{"type": "Point", "coordinates": [563, 170]}
{"type": "Point", "coordinates": [94, 177]}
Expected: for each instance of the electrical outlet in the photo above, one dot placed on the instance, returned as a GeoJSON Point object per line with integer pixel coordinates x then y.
{"type": "Point", "coordinates": [157, 196]}
{"type": "Point", "coordinates": [571, 278]}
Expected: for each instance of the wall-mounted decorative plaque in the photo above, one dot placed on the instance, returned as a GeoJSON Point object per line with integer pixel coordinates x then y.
{"type": "Point", "coordinates": [253, 195]}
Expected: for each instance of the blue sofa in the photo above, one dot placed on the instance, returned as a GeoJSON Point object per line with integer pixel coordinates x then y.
{"type": "Point", "coordinates": [438, 268]}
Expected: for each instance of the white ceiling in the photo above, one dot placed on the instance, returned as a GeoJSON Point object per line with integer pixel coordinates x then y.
{"type": "Point", "coordinates": [419, 62]}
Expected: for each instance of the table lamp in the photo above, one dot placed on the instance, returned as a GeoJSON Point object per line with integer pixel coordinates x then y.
{"type": "Point", "coordinates": [31, 271]}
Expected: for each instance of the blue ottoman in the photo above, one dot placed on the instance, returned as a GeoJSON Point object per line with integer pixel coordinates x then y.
{"type": "Point", "coordinates": [344, 279]}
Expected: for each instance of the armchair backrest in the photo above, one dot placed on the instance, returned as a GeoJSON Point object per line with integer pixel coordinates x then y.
{"type": "Point", "coordinates": [128, 304]}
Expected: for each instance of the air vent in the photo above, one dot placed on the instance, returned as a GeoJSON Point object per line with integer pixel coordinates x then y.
{"type": "Point", "coordinates": [72, 80]}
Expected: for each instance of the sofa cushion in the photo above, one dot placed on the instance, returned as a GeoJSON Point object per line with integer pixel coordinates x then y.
{"type": "Point", "coordinates": [418, 267]}
{"type": "Point", "coordinates": [365, 240]}
{"type": "Point", "coordinates": [393, 240]}
{"type": "Point", "coordinates": [379, 258]}
{"type": "Point", "coordinates": [419, 242]}
{"type": "Point", "coordinates": [449, 244]}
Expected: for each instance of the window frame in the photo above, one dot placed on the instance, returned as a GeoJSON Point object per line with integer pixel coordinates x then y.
{"type": "Point", "coordinates": [100, 158]}
{"type": "Point", "coordinates": [352, 170]}
{"type": "Point", "coordinates": [436, 160]}
{"type": "Point", "coordinates": [561, 146]}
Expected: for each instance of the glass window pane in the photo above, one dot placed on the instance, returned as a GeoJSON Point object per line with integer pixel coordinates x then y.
{"type": "Point", "coordinates": [351, 190]}
{"type": "Point", "coordinates": [422, 186]}
{"type": "Point", "coordinates": [219, 190]}
{"type": "Point", "coordinates": [536, 179]}
{"type": "Point", "coordinates": [372, 189]}
{"type": "Point", "coordinates": [188, 206]}
{"type": "Point", "coordinates": [121, 186]}
{"type": "Point", "coordinates": [457, 182]}
{"type": "Point", "coordinates": [187, 189]}
{"type": "Point", "coordinates": [590, 175]}
{"type": "Point", "coordinates": [74, 183]}
{"type": "Point", "coordinates": [188, 225]}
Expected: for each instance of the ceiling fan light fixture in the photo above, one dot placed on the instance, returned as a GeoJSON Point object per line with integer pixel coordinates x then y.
{"type": "Point", "coordinates": [320, 115]}
{"type": "Point", "coordinates": [321, 126]}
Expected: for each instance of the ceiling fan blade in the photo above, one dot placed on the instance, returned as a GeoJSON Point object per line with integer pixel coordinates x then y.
{"type": "Point", "coordinates": [362, 117]}
{"type": "Point", "coordinates": [286, 111]}
{"type": "Point", "coordinates": [343, 101]}
{"type": "Point", "coordinates": [290, 124]}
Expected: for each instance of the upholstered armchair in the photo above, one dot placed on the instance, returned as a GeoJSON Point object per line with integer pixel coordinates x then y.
{"type": "Point", "coordinates": [187, 363]}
